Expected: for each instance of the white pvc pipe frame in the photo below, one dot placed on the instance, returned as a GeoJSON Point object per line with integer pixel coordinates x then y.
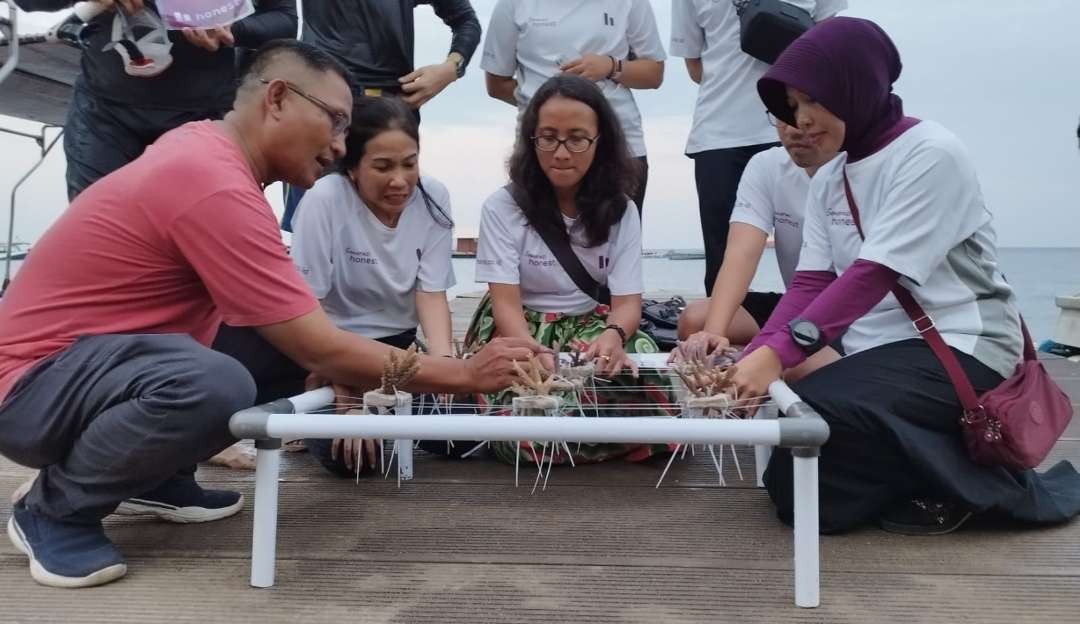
{"type": "Point", "coordinates": [511, 428]}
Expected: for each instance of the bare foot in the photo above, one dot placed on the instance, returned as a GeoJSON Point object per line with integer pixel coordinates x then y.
{"type": "Point", "coordinates": [294, 446]}
{"type": "Point", "coordinates": [238, 456]}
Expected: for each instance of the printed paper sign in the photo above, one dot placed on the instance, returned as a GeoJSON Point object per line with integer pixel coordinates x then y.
{"type": "Point", "coordinates": [179, 14]}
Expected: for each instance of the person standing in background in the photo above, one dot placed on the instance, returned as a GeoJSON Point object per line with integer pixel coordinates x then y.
{"type": "Point", "coordinates": [114, 115]}
{"type": "Point", "coordinates": [614, 44]}
{"type": "Point", "coordinates": [730, 125]}
{"type": "Point", "coordinates": [374, 40]}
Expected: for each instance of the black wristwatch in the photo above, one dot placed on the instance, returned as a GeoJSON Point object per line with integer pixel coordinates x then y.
{"type": "Point", "coordinates": [806, 335]}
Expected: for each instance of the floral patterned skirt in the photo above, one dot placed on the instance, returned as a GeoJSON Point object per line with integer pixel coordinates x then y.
{"type": "Point", "coordinates": [647, 395]}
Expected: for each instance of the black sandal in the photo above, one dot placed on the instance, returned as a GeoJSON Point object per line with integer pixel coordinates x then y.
{"type": "Point", "coordinates": [922, 517]}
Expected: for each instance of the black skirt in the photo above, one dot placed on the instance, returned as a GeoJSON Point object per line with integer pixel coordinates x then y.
{"type": "Point", "coordinates": [895, 435]}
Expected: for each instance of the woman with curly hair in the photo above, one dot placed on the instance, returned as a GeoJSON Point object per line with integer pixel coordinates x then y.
{"type": "Point", "coordinates": [570, 177]}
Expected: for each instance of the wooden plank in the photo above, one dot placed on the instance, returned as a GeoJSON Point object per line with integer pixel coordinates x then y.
{"type": "Point", "coordinates": [573, 525]}
{"type": "Point", "coordinates": [194, 590]}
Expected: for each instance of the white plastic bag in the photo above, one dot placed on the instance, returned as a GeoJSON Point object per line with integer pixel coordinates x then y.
{"type": "Point", "coordinates": [179, 14]}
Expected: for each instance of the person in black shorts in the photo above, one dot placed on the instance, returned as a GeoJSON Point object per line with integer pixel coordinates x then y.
{"type": "Point", "coordinates": [770, 201]}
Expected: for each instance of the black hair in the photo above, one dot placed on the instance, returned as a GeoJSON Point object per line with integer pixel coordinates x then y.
{"type": "Point", "coordinates": [272, 51]}
{"type": "Point", "coordinates": [371, 116]}
{"type": "Point", "coordinates": [613, 176]}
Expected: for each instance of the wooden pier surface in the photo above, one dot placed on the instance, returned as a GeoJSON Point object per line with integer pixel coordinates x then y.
{"type": "Point", "coordinates": [460, 543]}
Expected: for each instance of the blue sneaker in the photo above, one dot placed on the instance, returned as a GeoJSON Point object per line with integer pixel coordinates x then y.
{"type": "Point", "coordinates": [184, 501]}
{"type": "Point", "coordinates": [64, 554]}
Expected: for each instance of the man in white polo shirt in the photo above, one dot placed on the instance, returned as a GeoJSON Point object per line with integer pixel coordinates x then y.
{"type": "Point", "coordinates": [729, 121]}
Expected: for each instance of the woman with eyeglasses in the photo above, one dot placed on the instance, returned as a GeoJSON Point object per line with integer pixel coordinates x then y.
{"type": "Point", "coordinates": [615, 45]}
{"type": "Point", "coordinates": [570, 176]}
{"type": "Point", "coordinates": [897, 220]}
{"type": "Point", "coordinates": [374, 243]}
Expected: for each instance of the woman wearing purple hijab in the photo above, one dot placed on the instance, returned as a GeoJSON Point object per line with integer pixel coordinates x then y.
{"type": "Point", "coordinates": [894, 454]}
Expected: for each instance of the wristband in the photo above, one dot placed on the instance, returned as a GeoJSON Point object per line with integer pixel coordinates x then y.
{"type": "Point", "coordinates": [620, 330]}
{"type": "Point", "coordinates": [616, 76]}
{"type": "Point", "coordinates": [614, 65]}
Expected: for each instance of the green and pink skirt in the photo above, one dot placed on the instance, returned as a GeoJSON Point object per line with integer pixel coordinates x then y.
{"type": "Point", "coordinates": [647, 395]}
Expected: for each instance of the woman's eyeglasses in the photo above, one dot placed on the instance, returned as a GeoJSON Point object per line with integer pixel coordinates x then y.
{"type": "Point", "coordinates": [574, 144]}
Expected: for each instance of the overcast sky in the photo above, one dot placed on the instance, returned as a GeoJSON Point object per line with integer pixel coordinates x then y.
{"type": "Point", "coordinates": [1001, 74]}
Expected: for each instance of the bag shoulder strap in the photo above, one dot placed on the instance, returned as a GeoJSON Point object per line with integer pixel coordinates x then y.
{"type": "Point", "coordinates": [924, 325]}
{"type": "Point", "coordinates": [571, 263]}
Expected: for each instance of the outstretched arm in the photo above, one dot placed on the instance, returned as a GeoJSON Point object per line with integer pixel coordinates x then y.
{"type": "Point", "coordinates": [314, 343]}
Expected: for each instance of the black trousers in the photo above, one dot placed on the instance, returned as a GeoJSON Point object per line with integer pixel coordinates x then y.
{"type": "Point", "coordinates": [717, 174]}
{"type": "Point", "coordinates": [894, 434]}
{"type": "Point", "coordinates": [100, 136]}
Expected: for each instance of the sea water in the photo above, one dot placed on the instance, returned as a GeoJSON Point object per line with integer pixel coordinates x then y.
{"type": "Point", "coordinates": [1037, 274]}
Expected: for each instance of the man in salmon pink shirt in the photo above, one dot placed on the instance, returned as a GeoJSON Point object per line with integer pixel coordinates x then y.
{"type": "Point", "coordinates": [111, 381]}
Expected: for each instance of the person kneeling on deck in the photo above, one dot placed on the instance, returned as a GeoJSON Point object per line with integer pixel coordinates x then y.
{"type": "Point", "coordinates": [374, 243]}
{"type": "Point", "coordinates": [895, 454]}
{"type": "Point", "coordinates": [771, 200]}
{"type": "Point", "coordinates": [108, 380]}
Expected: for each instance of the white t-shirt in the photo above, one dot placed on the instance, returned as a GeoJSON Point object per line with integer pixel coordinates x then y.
{"type": "Point", "coordinates": [511, 252]}
{"type": "Point", "coordinates": [923, 215]}
{"type": "Point", "coordinates": [772, 198]}
{"type": "Point", "coordinates": [729, 112]}
{"type": "Point", "coordinates": [366, 274]}
{"type": "Point", "coordinates": [530, 39]}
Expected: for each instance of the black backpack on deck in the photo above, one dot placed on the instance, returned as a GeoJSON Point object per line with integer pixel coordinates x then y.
{"type": "Point", "coordinates": [660, 320]}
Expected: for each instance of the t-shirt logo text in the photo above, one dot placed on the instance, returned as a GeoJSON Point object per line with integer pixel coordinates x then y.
{"type": "Point", "coordinates": [360, 257]}
{"type": "Point", "coordinates": [539, 260]}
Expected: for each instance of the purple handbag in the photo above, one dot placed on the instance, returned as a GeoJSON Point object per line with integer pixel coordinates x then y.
{"type": "Point", "coordinates": [1014, 425]}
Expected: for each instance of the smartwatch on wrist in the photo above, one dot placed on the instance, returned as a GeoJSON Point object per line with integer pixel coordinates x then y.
{"type": "Point", "coordinates": [806, 335]}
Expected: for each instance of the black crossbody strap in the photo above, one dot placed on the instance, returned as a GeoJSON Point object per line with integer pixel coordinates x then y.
{"type": "Point", "coordinates": [571, 263]}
